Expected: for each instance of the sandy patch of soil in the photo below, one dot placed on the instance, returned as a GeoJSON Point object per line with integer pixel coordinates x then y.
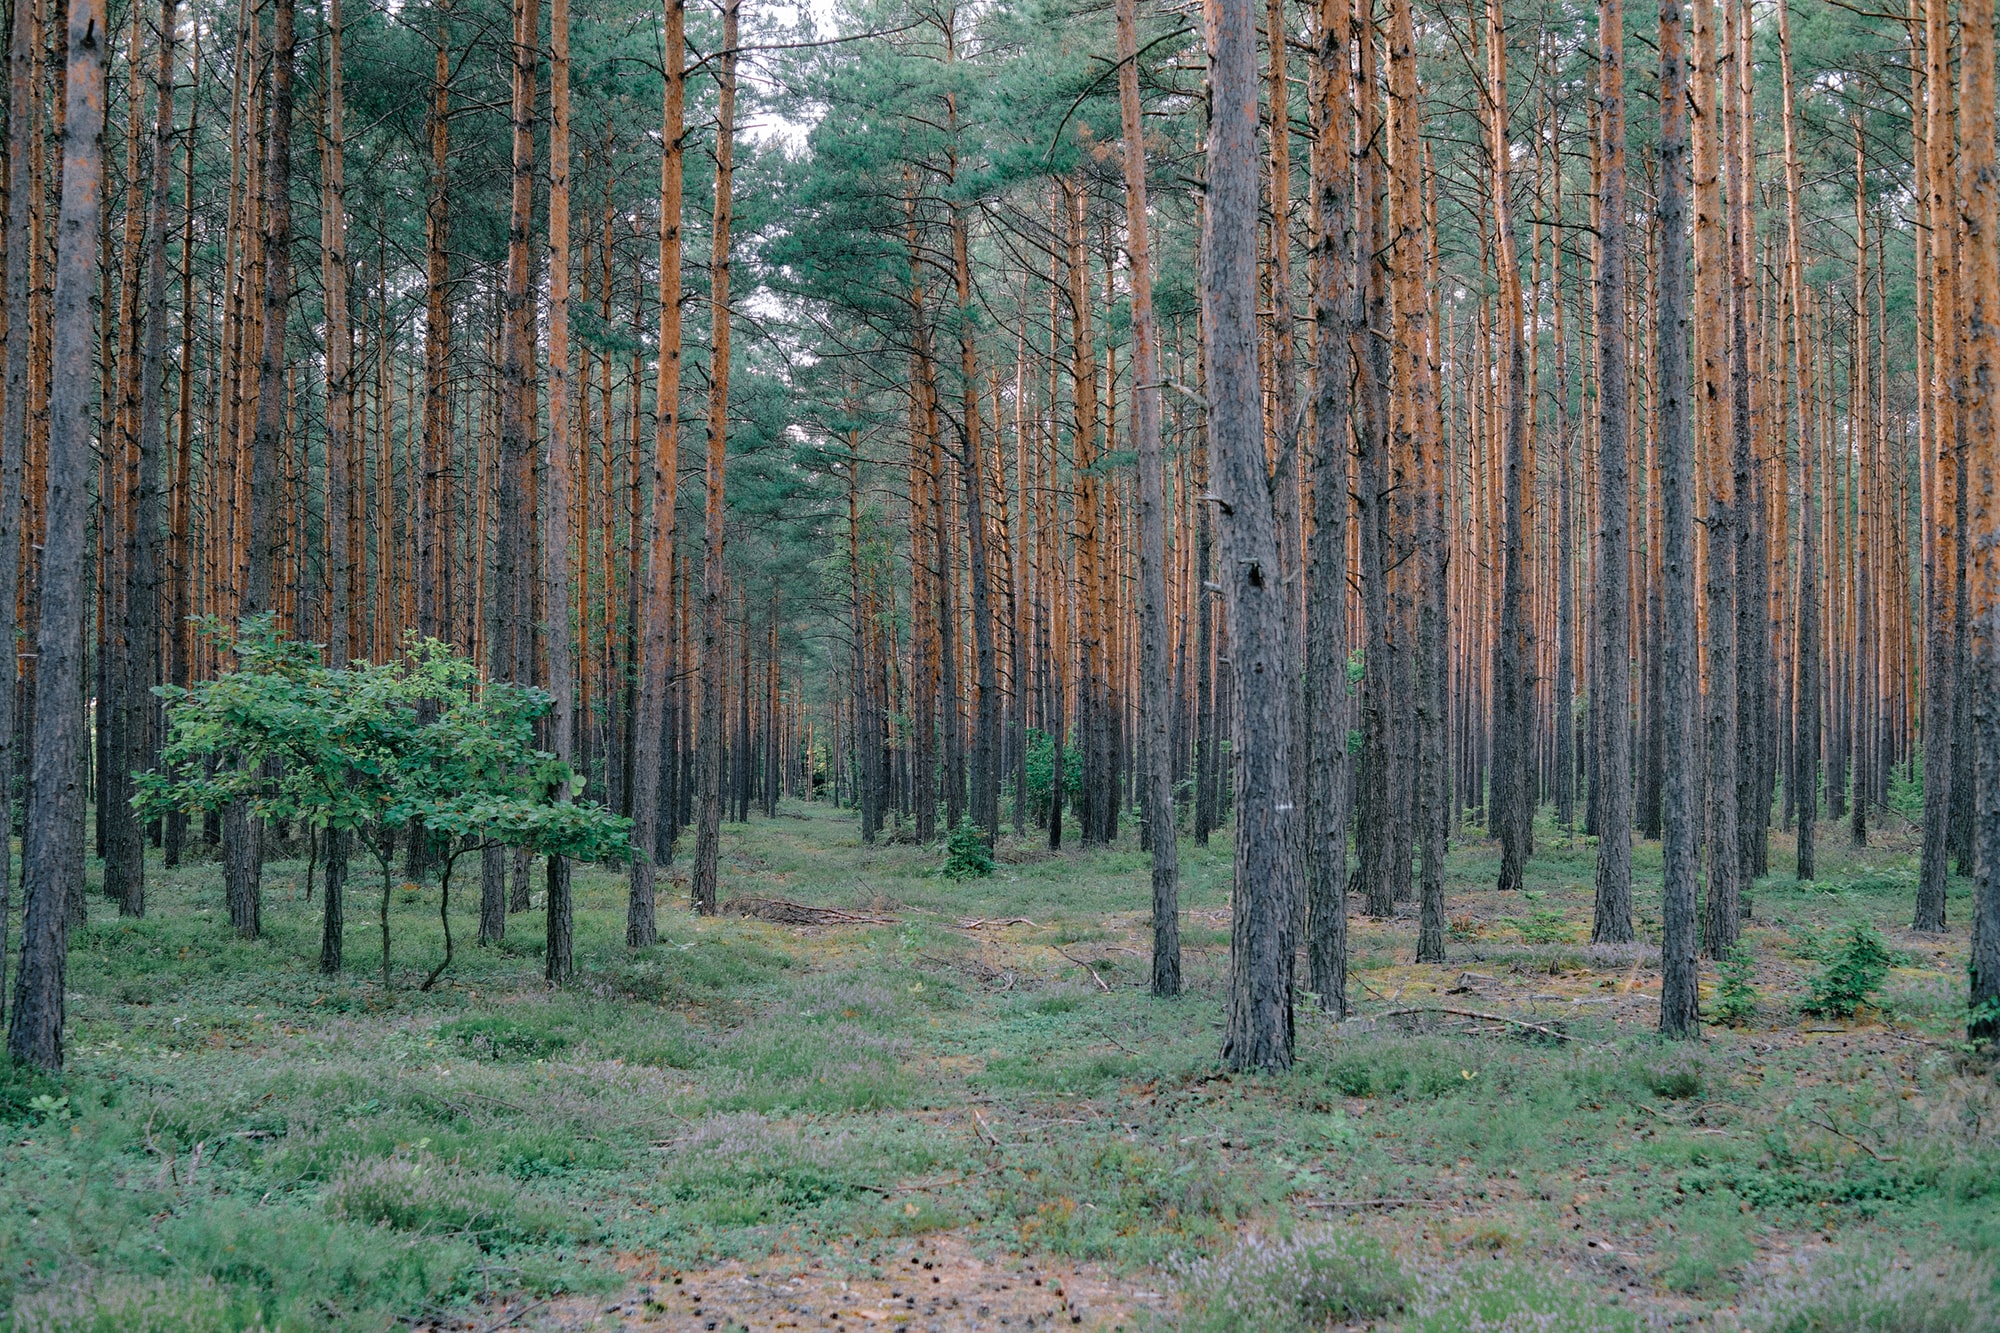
{"type": "Point", "coordinates": [930, 1284]}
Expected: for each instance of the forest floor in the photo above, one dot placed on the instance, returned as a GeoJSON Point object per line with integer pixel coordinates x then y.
{"type": "Point", "coordinates": [960, 1109]}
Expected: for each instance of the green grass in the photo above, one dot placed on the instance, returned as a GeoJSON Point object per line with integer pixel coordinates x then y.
{"type": "Point", "coordinates": [239, 1142]}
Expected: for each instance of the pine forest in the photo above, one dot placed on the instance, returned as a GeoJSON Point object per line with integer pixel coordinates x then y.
{"type": "Point", "coordinates": [1262, 665]}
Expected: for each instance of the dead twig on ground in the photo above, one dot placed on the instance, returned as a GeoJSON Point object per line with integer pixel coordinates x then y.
{"type": "Point", "coordinates": [1826, 1123]}
{"type": "Point", "coordinates": [1101, 984]}
{"type": "Point", "coordinates": [517, 1316]}
{"type": "Point", "coordinates": [1487, 1018]}
{"type": "Point", "coordinates": [788, 913]}
{"type": "Point", "coordinates": [981, 923]}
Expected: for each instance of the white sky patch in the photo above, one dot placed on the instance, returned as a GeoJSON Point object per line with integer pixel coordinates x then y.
{"type": "Point", "coordinates": [772, 129]}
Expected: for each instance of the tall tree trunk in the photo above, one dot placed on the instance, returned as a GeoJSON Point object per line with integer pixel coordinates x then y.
{"type": "Point", "coordinates": [52, 859]}
{"type": "Point", "coordinates": [1680, 830]}
{"type": "Point", "coordinates": [557, 962]}
{"type": "Point", "coordinates": [1512, 783]}
{"type": "Point", "coordinates": [1753, 650]}
{"type": "Point", "coordinates": [242, 853]}
{"type": "Point", "coordinates": [432, 558]}
{"type": "Point", "coordinates": [140, 636]}
{"type": "Point", "coordinates": [714, 681]}
{"type": "Point", "coordinates": [1939, 595]}
{"type": "Point", "coordinates": [986, 735]}
{"type": "Point", "coordinates": [340, 421]}
{"type": "Point", "coordinates": [649, 726]}
{"type": "Point", "coordinates": [1802, 783]}
{"type": "Point", "coordinates": [1712, 340]}
{"type": "Point", "coordinates": [1612, 919]}
{"type": "Point", "coordinates": [1375, 815]}
{"type": "Point", "coordinates": [24, 188]}
{"type": "Point", "coordinates": [1326, 693]}
{"type": "Point", "coordinates": [507, 631]}
{"type": "Point", "coordinates": [1259, 1031]}
{"type": "Point", "coordinates": [1982, 242]}
{"type": "Point", "coordinates": [1155, 670]}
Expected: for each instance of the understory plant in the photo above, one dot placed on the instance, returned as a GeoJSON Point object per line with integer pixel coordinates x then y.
{"type": "Point", "coordinates": [1851, 975]}
{"type": "Point", "coordinates": [419, 743]}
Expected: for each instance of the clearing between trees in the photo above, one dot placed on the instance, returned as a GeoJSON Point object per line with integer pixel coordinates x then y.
{"type": "Point", "coordinates": [884, 1097]}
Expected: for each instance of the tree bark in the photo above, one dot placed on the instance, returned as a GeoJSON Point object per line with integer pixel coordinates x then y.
{"type": "Point", "coordinates": [1941, 564]}
{"type": "Point", "coordinates": [242, 853]}
{"type": "Point", "coordinates": [1712, 339]}
{"type": "Point", "coordinates": [714, 680]}
{"type": "Point", "coordinates": [1680, 832]}
{"type": "Point", "coordinates": [1802, 783]}
{"type": "Point", "coordinates": [52, 859]}
{"type": "Point", "coordinates": [557, 962]}
{"type": "Point", "coordinates": [1326, 692]}
{"type": "Point", "coordinates": [1259, 1030]}
{"type": "Point", "coordinates": [507, 631]}
{"type": "Point", "coordinates": [649, 727]}
{"type": "Point", "coordinates": [1612, 918]}
{"type": "Point", "coordinates": [1155, 670]}
{"type": "Point", "coordinates": [1512, 782]}
{"type": "Point", "coordinates": [1982, 242]}
{"type": "Point", "coordinates": [24, 187]}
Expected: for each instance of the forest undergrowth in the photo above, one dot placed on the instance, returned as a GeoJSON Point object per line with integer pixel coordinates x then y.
{"type": "Point", "coordinates": [957, 1107]}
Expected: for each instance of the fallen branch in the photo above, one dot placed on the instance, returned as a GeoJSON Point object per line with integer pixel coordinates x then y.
{"type": "Point", "coordinates": [1373, 1203]}
{"type": "Point", "coordinates": [1086, 967]}
{"type": "Point", "coordinates": [1488, 1018]}
{"type": "Point", "coordinates": [517, 1316]}
{"type": "Point", "coordinates": [785, 912]}
{"type": "Point", "coordinates": [996, 921]}
{"type": "Point", "coordinates": [1826, 1123]}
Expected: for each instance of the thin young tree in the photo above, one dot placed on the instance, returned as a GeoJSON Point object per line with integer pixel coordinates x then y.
{"type": "Point", "coordinates": [52, 857]}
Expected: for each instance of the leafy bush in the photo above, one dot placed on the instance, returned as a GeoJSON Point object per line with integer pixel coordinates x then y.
{"type": "Point", "coordinates": [1544, 926]}
{"type": "Point", "coordinates": [1042, 767]}
{"type": "Point", "coordinates": [1307, 1282]}
{"type": "Point", "coordinates": [966, 854]}
{"type": "Point", "coordinates": [1851, 975]}
{"type": "Point", "coordinates": [28, 1096]}
{"type": "Point", "coordinates": [1736, 988]}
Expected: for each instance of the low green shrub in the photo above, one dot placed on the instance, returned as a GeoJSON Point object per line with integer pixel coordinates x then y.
{"type": "Point", "coordinates": [1851, 973]}
{"type": "Point", "coordinates": [966, 854]}
{"type": "Point", "coordinates": [1736, 988]}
